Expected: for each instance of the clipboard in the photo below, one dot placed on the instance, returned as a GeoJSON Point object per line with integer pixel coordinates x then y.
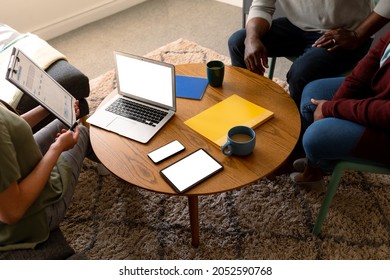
{"type": "Point", "coordinates": [26, 75]}
{"type": "Point", "coordinates": [191, 170]}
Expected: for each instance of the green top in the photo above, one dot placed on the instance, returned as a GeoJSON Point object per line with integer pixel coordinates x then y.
{"type": "Point", "coordinates": [19, 154]}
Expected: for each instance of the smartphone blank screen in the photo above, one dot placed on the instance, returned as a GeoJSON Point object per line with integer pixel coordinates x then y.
{"type": "Point", "coordinates": [166, 151]}
{"type": "Point", "coordinates": [191, 170]}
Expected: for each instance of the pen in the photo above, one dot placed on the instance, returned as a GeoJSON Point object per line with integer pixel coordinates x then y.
{"type": "Point", "coordinates": [73, 126]}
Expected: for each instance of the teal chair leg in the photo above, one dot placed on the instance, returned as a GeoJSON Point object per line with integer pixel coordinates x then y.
{"type": "Point", "coordinates": [331, 191]}
{"type": "Point", "coordinates": [271, 69]}
{"type": "Point", "coordinates": [334, 181]}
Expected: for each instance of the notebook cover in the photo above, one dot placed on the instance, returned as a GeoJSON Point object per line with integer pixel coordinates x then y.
{"type": "Point", "coordinates": [215, 122]}
{"type": "Point", "coordinates": [190, 87]}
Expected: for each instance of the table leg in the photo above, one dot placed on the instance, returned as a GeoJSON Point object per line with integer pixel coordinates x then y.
{"type": "Point", "coordinates": [194, 219]}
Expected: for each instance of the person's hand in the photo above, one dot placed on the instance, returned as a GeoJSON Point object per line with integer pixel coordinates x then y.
{"type": "Point", "coordinates": [338, 39]}
{"type": "Point", "coordinates": [256, 56]}
{"type": "Point", "coordinates": [76, 108]}
{"type": "Point", "coordinates": [318, 111]}
{"type": "Point", "coordinates": [67, 138]}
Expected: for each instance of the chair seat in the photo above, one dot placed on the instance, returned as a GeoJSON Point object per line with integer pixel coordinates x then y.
{"type": "Point", "coordinates": [55, 248]}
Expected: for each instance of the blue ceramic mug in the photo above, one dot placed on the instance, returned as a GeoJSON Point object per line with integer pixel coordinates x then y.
{"type": "Point", "coordinates": [241, 141]}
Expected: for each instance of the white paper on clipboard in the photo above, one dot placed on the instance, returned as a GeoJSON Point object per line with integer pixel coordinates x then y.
{"type": "Point", "coordinates": [34, 81]}
{"type": "Point", "coordinates": [190, 170]}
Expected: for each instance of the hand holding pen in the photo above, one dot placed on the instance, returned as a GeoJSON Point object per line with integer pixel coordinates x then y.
{"type": "Point", "coordinates": [77, 111]}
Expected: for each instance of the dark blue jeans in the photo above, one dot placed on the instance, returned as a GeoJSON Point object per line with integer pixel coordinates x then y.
{"type": "Point", "coordinates": [328, 140]}
{"type": "Point", "coordinates": [285, 40]}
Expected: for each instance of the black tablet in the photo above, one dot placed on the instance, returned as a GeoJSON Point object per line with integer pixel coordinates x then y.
{"type": "Point", "coordinates": [190, 170]}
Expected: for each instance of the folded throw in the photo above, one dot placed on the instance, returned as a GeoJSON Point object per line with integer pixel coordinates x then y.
{"type": "Point", "coordinates": [34, 47]}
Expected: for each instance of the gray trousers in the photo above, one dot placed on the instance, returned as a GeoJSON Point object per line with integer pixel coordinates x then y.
{"type": "Point", "coordinates": [75, 157]}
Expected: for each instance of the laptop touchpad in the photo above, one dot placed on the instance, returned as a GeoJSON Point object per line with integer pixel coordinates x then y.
{"type": "Point", "coordinates": [120, 125]}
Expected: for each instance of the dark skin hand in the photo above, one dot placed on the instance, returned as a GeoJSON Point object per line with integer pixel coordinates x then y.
{"type": "Point", "coordinates": [256, 54]}
{"type": "Point", "coordinates": [341, 38]}
{"type": "Point", "coordinates": [338, 39]}
{"type": "Point", "coordinates": [256, 57]}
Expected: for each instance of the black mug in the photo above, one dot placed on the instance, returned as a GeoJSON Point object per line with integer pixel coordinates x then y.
{"type": "Point", "coordinates": [215, 72]}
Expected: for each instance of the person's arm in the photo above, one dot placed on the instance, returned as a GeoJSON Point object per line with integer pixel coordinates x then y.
{"type": "Point", "coordinates": [369, 112]}
{"type": "Point", "coordinates": [372, 24]}
{"type": "Point", "coordinates": [38, 114]}
{"type": "Point", "coordinates": [359, 99]}
{"type": "Point", "coordinates": [342, 38]}
{"type": "Point", "coordinates": [258, 23]}
{"type": "Point", "coordinates": [35, 115]}
{"type": "Point", "coordinates": [19, 196]}
{"type": "Point", "coordinates": [256, 55]}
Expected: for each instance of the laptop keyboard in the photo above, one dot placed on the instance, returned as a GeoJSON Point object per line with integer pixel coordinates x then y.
{"type": "Point", "coordinates": [136, 111]}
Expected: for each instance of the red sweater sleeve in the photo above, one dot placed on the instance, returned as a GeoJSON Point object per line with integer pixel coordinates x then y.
{"type": "Point", "coordinates": [364, 96]}
{"type": "Point", "coordinates": [370, 112]}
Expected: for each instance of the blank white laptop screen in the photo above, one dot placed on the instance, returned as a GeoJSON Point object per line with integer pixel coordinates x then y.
{"type": "Point", "coordinates": [145, 81]}
{"type": "Point", "coordinates": [148, 81]}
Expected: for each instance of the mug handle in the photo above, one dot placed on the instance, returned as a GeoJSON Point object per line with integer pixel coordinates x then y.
{"type": "Point", "coordinates": [227, 149]}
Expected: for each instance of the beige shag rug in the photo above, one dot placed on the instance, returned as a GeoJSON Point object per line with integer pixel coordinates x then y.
{"type": "Point", "coordinates": [270, 219]}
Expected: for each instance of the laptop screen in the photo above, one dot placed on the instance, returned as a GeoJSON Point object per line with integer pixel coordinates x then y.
{"type": "Point", "coordinates": [146, 80]}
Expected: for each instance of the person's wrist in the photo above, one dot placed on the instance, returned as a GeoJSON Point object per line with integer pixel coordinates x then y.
{"type": "Point", "coordinates": [57, 146]}
{"type": "Point", "coordinates": [356, 36]}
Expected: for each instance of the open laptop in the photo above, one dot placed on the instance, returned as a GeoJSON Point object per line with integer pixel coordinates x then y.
{"type": "Point", "coordinates": [145, 82]}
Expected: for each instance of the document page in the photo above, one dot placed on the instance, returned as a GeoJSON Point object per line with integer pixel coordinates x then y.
{"type": "Point", "coordinates": [34, 81]}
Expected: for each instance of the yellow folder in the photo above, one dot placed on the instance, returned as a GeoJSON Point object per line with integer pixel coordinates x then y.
{"type": "Point", "coordinates": [215, 122]}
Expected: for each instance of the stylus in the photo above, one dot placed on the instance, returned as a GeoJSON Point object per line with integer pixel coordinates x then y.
{"type": "Point", "coordinates": [73, 126]}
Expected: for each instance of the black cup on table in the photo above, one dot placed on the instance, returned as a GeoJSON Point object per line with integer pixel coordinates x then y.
{"type": "Point", "coordinates": [215, 72]}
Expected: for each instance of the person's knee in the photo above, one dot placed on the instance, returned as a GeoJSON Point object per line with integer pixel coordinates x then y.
{"type": "Point", "coordinates": [297, 78]}
{"type": "Point", "coordinates": [84, 140]}
{"type": "Point", "coordinates": [313, 140]}
{"type": "Point", "coordinates": [236, 39]}
{"type": "Point", "coordinates": [237, 48]}
{"type": "Point", "coordinates": [307, 95]}
{"type": "Point", "coordinates": [84, 131]}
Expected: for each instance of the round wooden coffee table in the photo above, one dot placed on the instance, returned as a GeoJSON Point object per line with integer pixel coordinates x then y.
{"type": "Point", "coordinates": [276, 139]}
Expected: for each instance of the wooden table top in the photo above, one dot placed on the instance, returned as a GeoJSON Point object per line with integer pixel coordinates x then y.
{"type": "Point", "coordinates": [276, 138]}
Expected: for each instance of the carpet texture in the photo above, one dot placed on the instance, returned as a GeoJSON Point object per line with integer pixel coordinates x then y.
{"type": "Point", "coordinates": [270, 219]}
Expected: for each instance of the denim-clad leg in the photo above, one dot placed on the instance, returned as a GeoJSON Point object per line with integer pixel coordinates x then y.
{"type": "Point", "coordinates": [281, 40]}
{"type": "Point", "coordinates": [317, 63]}
{"type": "Point", "coordinates": [285, 39]}
{"type": "Point", "coordinates": [323, 89]}
{"type": "Point", "coordinates": [237, 48]}
{"type": "Point", "coordinates": [329, 140]}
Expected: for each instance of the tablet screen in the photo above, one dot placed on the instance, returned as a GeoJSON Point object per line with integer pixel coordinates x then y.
{"type": "Point", "coordinates": [33, 80]}
{"type": "Point", "coordinates": [191, 170]}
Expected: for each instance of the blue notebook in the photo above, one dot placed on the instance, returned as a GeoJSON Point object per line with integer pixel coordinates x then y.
{"type": "Point", "coordinates": [190, 87]}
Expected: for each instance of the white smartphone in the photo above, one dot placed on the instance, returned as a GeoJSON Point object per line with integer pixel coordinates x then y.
{"type": "Point", "coordinates": [166, 151]}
